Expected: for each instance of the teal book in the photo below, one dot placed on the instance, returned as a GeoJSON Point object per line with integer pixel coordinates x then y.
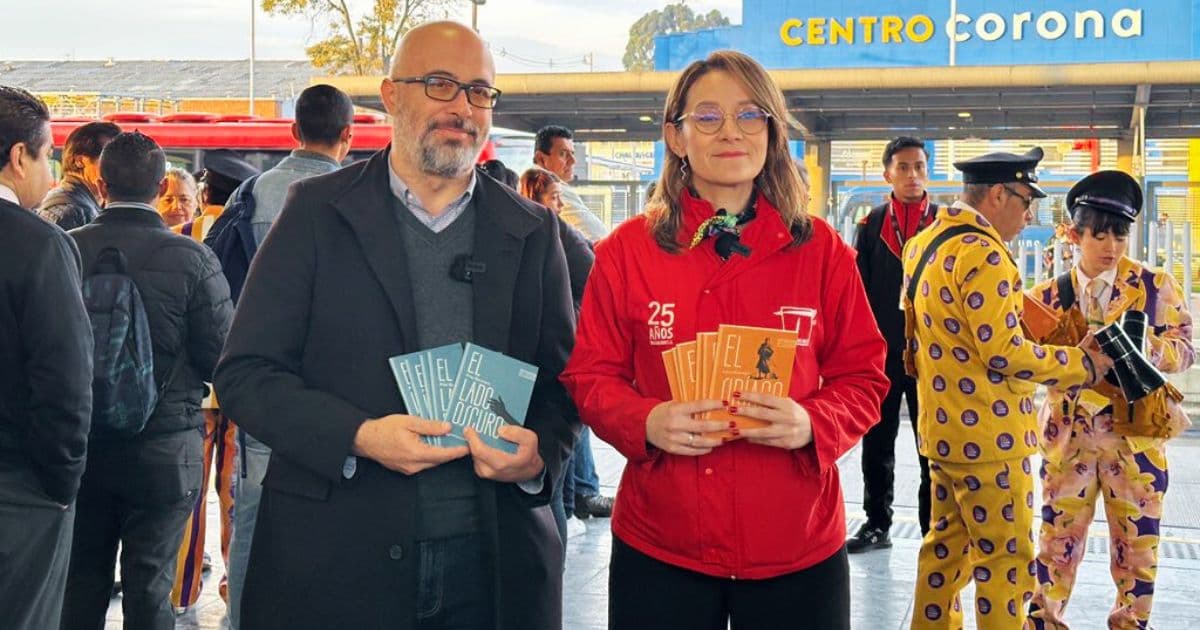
{"type": "Point", "coordinates": [441, 370]}
{"type": "Point", "coordinates": [491, 390]}
{"type": "Point", "coordinates": [426, 381]}
{"type": "Point", "coordinates": [408, 370]}
{"type": "Point", "coordinates": [412, 379]}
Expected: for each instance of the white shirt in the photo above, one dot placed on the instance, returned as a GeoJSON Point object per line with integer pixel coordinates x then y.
{"type": "Point", "coordinates": [576, 214]}
{"type": "Point", "coordinates": [1085, 282]}
{"type": "Point", "coordinates": [9, 194]}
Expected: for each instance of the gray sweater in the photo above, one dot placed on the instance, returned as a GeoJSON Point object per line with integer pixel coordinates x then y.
{"type": "Point", "coordinates": [444, 310]}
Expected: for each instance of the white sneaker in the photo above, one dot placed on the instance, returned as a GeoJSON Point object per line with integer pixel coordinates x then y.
{"type": "Point", "coordinates": [575, 527]}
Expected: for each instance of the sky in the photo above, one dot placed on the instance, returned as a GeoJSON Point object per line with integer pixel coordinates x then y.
{"type": "Point", "coordinates": [525, 35]}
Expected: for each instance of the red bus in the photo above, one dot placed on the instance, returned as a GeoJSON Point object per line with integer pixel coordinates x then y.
{"type": "Point", "coordinates": [264, 142]}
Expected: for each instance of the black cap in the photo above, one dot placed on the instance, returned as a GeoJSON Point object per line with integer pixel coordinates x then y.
{"type": "Point", "coordinates": [1003, 168]}
{"type": "Point", "coordinates": [228, 163]}
{"type": "Point", "coordinates": [1112, 192]}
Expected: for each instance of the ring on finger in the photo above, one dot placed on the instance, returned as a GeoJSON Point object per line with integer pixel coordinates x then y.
{"type": "Point", "coordinates": [691, 438]}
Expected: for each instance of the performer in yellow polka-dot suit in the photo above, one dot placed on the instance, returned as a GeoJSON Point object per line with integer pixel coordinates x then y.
{"type": "Point", "coordinates": [976, 374]}
{"type": "Point", "coordinates": [1086, 462]}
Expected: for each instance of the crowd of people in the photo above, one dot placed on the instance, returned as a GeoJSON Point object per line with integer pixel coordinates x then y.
{"type": "Point", "coordinates": [164, 331]}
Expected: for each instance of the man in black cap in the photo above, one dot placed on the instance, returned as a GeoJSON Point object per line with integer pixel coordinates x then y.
{"type": "Point", "coordinates": [879, 240]}
{"type": "Point", "coordinates": [1079, 441]}
{"type": "Point", "coordinates": [976, 375]}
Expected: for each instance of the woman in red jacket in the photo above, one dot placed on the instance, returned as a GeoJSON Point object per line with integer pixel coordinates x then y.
{"type": "Point", "coordinates": [751, 529]}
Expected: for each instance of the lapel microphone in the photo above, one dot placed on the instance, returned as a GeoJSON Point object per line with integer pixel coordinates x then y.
{"type": "Point", "coordinates": [464, 268]}
{"type": "Point", "coordinates": [729, 237]}
{"type": "Point", "coordinates": [726, 230]}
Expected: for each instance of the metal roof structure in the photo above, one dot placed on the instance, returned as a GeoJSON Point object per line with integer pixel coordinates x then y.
{"type": "Point", "coordinates": [167, 79]}
{"type": "Point", "coordinates": [1064, 101]}
{"type": "Point", "coordinates": [1044, 101]}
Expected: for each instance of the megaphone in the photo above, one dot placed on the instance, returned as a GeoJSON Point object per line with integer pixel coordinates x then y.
{"type": "Point", "coordinates": [1135, 375]}
{"type": "Point", "coordinates": [1134, 324]}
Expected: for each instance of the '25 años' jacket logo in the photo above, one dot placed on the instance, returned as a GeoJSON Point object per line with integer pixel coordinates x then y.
{"type": "Point", "coordinates": [661, 324]}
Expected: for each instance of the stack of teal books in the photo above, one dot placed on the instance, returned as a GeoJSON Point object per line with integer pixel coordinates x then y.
{"type": "Point", "coordinates": [469, 386]}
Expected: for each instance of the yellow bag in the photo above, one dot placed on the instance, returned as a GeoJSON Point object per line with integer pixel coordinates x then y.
{"type": "Point", "coordinates": [1159, 415]}
{"type": "Point", "coordinates": [1069, 330]}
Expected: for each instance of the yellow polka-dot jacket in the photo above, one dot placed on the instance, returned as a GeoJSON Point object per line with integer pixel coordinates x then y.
{"type": "Point", "coordinates": [1168, 340]}
{"type": "Point", "coordinates": [976, 372]}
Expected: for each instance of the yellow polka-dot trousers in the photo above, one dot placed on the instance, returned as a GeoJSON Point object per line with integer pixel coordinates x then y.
{"type": "Point", "coordinates": [983, 531]}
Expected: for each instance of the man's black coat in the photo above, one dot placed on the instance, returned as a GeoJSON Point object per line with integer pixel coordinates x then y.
{"type": "Point", "coordinates": [45, 355]}
{"type": "Point", "coordinates": [326, 303]}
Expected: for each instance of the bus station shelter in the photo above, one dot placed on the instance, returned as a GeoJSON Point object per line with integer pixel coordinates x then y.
{"type": "Point", "coordinates": [1093, 76]}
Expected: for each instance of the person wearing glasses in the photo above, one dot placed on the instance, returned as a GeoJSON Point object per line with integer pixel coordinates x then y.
{"type": "Point", "coordinates": [182, 199]}
{"type": "Point", "coordinates": [752, 529]}
{"type": "Point", "coordinates": [362, 524]}
{"type": "Point", "coordinates": [224, 170]}
{"type": "Point", "coordinates": [976, 375]}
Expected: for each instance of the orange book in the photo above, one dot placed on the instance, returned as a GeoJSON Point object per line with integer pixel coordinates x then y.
{"type": "Point", "coordinates": [706, 347]}
{"type": "Point", "coordinates": [686, 364]}
{"type": "Point", "coordinates": [671, 363]}
{"type": "Point", "coordinates": [750, 359]}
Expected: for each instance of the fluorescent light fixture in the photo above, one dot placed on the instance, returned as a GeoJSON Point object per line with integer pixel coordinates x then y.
{"type": "Point", "coordinates": [964, 114]}
{"type": "Point", "coordinates": [645, 119]}
{"type": "Point", "coordinates": [601, 130]}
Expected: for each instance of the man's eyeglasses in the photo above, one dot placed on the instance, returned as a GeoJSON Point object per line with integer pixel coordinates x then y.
{"type": "Point", "coordinates": [447, 89]}
{"type": "Point", "coordinates": [1027, 201]}
{"type": "Point", "coordinates": [709, 120]}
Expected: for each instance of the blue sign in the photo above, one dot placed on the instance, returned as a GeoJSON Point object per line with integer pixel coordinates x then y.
{"type": "Point", "coordinates": [870, 33]}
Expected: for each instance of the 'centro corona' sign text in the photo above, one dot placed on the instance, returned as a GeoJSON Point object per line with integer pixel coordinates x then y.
{"type": "Point", "coordinates": [893, 29]}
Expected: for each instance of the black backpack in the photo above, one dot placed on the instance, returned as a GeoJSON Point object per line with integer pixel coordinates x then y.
{"type": "Point", "coordinates": [123, 391]}
{"type": "Point", "coordinates": [231, 238]}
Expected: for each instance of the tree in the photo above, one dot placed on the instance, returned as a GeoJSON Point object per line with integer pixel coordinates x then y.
{"type": "Point", "coordinates": [360, 41]}
{"type": "Point", "coordinates": [673, 18]}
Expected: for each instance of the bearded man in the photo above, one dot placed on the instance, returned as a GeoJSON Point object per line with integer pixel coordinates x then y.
{"type": "Point", "coordinates": [362, 524]}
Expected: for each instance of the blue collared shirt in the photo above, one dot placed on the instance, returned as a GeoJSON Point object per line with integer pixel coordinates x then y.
{"type": "Point", "coordinates": [271, 188]}
{"type": "Point", "coordinates": [410, 201]}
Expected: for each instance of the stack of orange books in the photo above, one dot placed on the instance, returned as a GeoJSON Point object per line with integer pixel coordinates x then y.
{"type": "Point", "coordinates": [732, 359]}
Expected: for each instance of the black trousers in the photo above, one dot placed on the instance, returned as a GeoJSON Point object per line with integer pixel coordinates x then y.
{"type": "Point", "coordinates": [454, 588]}
{"type": "Point", "coordinates": [879, 456]}
{"type": "Point", "coordinates": [645, 593]}
{"type": "Point", "coordinates": [35, 543]}
{"type": "Point", "coordinates": [137, 494]}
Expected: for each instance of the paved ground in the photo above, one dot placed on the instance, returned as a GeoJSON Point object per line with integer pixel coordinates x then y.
{"type": "Point", "coordinates": [882, 581]}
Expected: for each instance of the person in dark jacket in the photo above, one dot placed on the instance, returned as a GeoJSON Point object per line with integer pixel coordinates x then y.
{"type": "Point", "coordinates": [360, 521]}
{"type": "Point", "coordinates": [137, 491]}
{"type": "Point", "coordinates": [45, 376]}
{"type": "Point", "coordinates": [76, 201]}
{"type": "Point", "coordinates": [879, 240]}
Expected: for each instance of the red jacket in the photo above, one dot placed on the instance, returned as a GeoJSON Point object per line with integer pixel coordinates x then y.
{"type": "Point", "coordinates": [743, 511]}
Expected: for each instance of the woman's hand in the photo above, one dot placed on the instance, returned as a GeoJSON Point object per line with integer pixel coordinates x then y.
{"type": "Point", "coordinates": [671, 427]}
{"type": "Point", "coordinates": [790, 425]}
